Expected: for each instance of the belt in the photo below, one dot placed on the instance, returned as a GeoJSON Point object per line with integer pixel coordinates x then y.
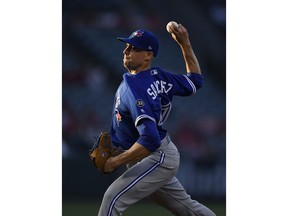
{"type": "Point", "coordinates": [166, 140]}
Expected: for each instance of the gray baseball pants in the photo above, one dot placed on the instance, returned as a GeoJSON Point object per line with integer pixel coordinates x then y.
{"type": "Point", "coordinates": [153, 177]}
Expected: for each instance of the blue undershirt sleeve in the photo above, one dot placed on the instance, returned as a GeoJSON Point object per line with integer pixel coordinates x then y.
{"type": "Point", "coordinates": [196, 78]}
{"type": "Point", "coordinates": [149, 136]}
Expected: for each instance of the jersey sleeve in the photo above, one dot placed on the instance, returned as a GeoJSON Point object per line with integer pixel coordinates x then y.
{"type": "Point", "coordinates": [149, 136]}
{"type": "Point", "coordinates": [197, 79]}
{"type": "Point", "coordinates": [184, 85]}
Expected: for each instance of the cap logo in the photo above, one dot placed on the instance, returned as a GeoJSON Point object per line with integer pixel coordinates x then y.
{"type": "Point", "coordinates": [137, 33]}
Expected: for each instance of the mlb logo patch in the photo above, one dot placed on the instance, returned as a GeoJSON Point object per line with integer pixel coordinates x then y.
{"type": "Point", "coordinates": [154, 72]}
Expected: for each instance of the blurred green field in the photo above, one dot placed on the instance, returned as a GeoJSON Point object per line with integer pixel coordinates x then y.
{"type": "Point", "coordinates": [142, 208]}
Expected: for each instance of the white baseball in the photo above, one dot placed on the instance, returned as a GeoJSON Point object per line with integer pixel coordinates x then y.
{"type": "Point", "coordinates": [171, 23]}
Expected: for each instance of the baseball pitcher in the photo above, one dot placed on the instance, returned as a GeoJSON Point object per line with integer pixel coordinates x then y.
{"type": "Point", "coordinates": [137, 138]}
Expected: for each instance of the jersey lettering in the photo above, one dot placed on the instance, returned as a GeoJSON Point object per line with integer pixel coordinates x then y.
{"type": "Point", "coordinates": [159, 87]}
{"type": "Point", "coordinates": [118, 101]}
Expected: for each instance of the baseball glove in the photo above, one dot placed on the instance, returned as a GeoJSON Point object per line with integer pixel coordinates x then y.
{"type": "Point", "coordinates": [102, 150]}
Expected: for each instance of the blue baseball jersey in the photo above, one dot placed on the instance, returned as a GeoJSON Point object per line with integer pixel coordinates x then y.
{"type": "Point", "coordinates": [147, 96]}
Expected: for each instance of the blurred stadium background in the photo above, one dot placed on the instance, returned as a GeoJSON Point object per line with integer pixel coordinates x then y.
{"type": "Point", "coordinates": [92, 70]}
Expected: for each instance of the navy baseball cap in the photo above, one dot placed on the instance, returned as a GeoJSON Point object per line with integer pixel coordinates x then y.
{"type": "Point", "coordinates": [144, 40]}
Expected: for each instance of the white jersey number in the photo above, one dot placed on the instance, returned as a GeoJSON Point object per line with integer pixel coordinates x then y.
{"type": "Point", "coordinates": [165, 111]}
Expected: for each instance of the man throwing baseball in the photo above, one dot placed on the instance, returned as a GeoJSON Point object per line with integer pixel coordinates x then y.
{"type": "Point", "coordinates": [142, 104]}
